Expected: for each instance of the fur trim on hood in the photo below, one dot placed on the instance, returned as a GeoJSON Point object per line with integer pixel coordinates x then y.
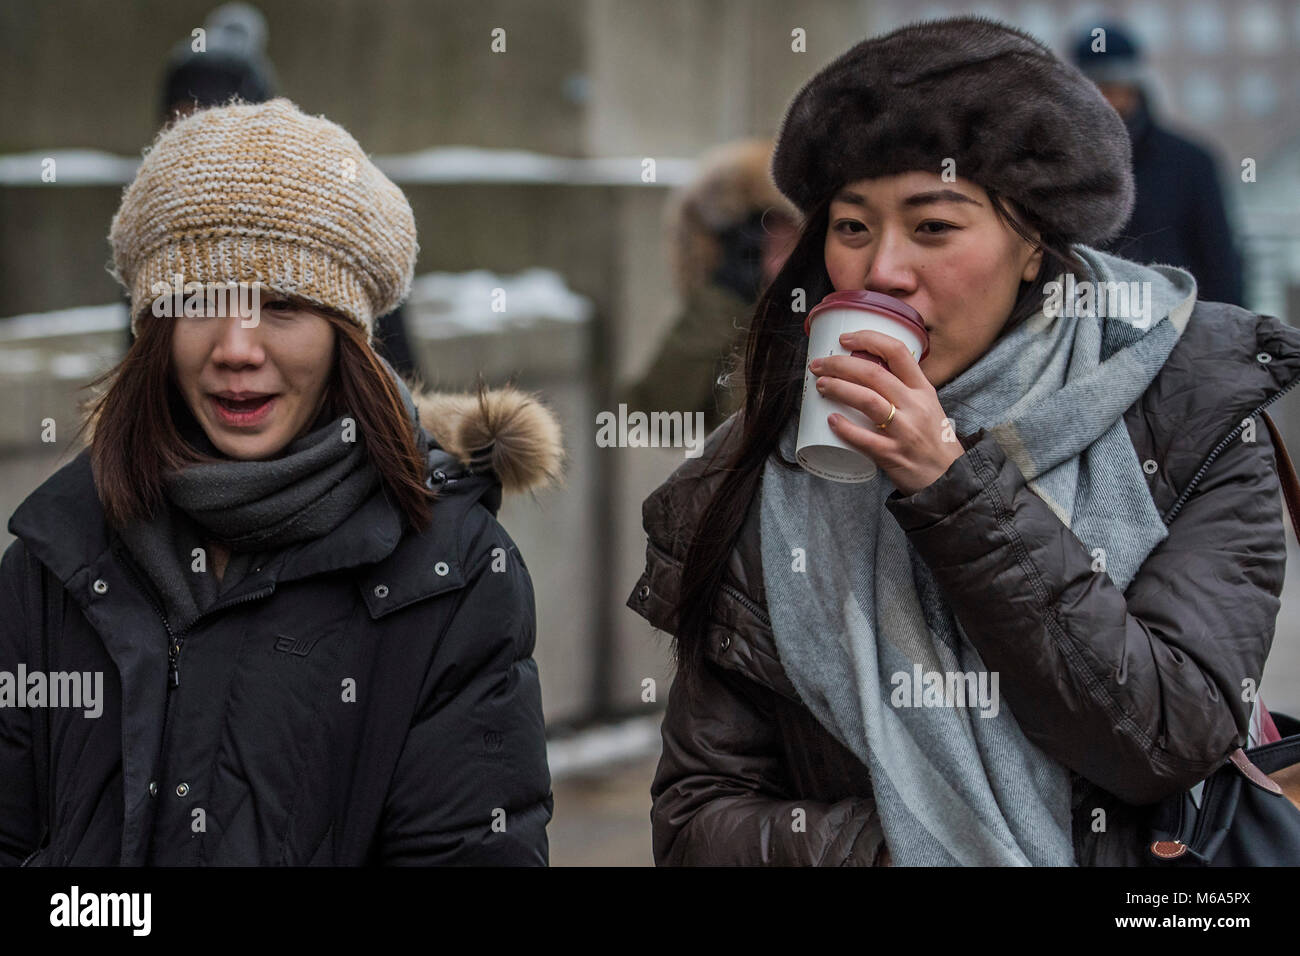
{"type": "Point", "coordinates": [504, 429]}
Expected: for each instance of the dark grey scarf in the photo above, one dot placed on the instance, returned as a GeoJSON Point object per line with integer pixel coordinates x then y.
{"type": "Point", "coordinates": [255, 508]}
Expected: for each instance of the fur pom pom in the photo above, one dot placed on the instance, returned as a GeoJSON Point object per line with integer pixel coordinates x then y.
{"type": "Point", "coordinates": [504, 429]}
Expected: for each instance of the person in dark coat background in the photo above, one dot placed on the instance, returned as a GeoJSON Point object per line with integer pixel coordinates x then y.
{"type": "Point", "coordinates": [1179, 217]}
{"type": "Point", "coordinates": [296, 632]}
{"type": "Point", "coordinates": [231, 61]}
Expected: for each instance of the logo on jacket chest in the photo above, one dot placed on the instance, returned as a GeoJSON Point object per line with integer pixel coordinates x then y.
{"type": "Point", "coordinates": [298, 646]}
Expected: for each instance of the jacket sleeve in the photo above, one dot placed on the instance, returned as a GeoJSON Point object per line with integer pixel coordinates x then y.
{"type": "Point", "coordinates": [472, 786]}
{"type": "Point", "coordinates": [719, 795]}
{"type": "Point", "coordinates": [1140, 692]}
{"type": "Point", "coordinates": [18, 811]}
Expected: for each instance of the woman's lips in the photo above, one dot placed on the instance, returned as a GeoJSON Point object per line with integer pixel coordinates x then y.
{"type": "Point", "coordinates": [242, 414]}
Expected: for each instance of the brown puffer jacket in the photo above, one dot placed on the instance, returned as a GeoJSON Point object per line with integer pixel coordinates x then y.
{"type": "Point", "coordinates": [1139, 693]}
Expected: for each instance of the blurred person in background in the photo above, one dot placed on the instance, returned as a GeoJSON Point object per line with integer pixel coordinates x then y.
{"type": "Point", "coordinates": [730, 231]}
{"type": "Point", "coordinates": [1179, 217]}
{"type": "Point", "coordinates": [233, 63]}
{"type": "Point", "coordinates": [284, 566]}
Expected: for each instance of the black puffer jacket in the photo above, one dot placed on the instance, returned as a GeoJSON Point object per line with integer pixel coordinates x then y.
{"type": "Point", "coordinates": [1139, 693]}
{"type": "Point", "coordinates": [365, 698]}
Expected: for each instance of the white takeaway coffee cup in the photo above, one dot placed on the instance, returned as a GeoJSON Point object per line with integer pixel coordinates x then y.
{"type": "Point", "coordinates": [818, 449]}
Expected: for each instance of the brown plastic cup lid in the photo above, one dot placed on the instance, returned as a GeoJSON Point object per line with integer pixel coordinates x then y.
{"type": "Point", "coordinates": [873, 302]}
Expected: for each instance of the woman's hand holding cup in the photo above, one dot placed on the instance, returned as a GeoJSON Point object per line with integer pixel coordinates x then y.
{"type": "Point", "coordinates": [919, 444]}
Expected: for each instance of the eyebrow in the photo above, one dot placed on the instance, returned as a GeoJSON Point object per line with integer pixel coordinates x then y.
{"type": "Point", "coordinates": [916, 199]}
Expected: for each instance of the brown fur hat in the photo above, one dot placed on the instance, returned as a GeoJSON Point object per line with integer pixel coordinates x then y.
{"type": "Point", "coordinates": [1014, 118]}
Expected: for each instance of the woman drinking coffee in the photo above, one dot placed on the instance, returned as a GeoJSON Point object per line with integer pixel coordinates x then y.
{"type": "Point", "coordinates": [1039, 615]}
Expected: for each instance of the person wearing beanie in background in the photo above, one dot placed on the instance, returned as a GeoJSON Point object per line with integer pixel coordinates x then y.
{"type": "Point", "coordinates": [314, 638]}
{"type": "Point", "coordinates": [232, 62]}
{"type": "Point", "coordinates": [730, 232]}
{"type": "Point", "coordinates": [1178, 215]}
{"type": "Point", "coordinates": [1040, 611]}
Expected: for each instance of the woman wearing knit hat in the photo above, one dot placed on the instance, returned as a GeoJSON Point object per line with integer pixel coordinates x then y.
{"type": "Point", "coordinates": [313, 637]}
{"type": "Point", "coordinates": [1037, 619]}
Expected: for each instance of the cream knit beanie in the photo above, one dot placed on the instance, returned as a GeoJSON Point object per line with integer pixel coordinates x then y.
{"type": "Point", "coordinates": [266, 193]}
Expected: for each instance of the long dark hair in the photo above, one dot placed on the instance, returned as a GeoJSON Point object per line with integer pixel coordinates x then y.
{"type": "Point", "coordinates": [131, 420]}
{"type": "Point", "coordinates": [775, 354]}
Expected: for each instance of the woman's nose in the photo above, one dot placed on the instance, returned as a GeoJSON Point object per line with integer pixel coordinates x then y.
{"type": "Point", "coordinates": [238, 340]}
{"type": "Point", "coordinates": [890, 270]}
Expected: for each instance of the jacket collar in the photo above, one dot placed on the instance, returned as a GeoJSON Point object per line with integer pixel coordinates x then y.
{"type": "Point", "coordinates": [1278, 352]}
{"type": "Point", "coordinates": [1228, 365]}
{"type": "Point", "coordinates": [62, 523]}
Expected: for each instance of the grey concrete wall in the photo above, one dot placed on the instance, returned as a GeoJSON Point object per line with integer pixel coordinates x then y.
{"type": "Point", "coordinates": [676, 76]}
{"type": "Point", "coordinates": [398, 74]}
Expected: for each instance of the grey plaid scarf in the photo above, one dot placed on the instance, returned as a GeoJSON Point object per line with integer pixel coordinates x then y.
{"type": "Point", "coordinates": [857, 615]}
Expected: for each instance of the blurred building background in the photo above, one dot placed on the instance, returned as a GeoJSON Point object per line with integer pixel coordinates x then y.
{"type": "Point", "coordinates": [526, 169]}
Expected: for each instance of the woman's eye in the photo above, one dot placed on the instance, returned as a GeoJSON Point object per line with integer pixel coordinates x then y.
{"type": "Point", "coordinates": [278, 305]}
{"type": "Point", "coordinates": [943, 227]}
{"type": "Point", "coordinates": [851, 227]}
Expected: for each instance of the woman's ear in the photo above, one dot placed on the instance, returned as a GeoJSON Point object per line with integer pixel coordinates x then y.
{"type": "Point", "coordinates": [1033, 264]}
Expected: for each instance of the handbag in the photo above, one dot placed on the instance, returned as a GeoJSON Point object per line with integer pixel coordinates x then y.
{"type": "Point", "coordinates": [1248, 811]}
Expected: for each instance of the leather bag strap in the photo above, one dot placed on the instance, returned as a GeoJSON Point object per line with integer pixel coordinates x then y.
{"type": "Point", "coordinates": [1291, 495]}
{"type": "Point", "coordinates": [1286, 473]}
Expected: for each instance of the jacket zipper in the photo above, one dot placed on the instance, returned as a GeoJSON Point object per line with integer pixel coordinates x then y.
{"type": "Point", "coordinates": [739, 596]}
{"type": "Point", "coordinates": [173, 678]}
{"type": "Point", "coordinates": [174, 639]}
{"type": "Point", "coordinates": [1182, 499]}
{"type": "Point", "coordinates": [174, 642]}
{"type": "Point", "coordinates": [174, 652]}
{"type": "Point", "coordinates": [734, 592]}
